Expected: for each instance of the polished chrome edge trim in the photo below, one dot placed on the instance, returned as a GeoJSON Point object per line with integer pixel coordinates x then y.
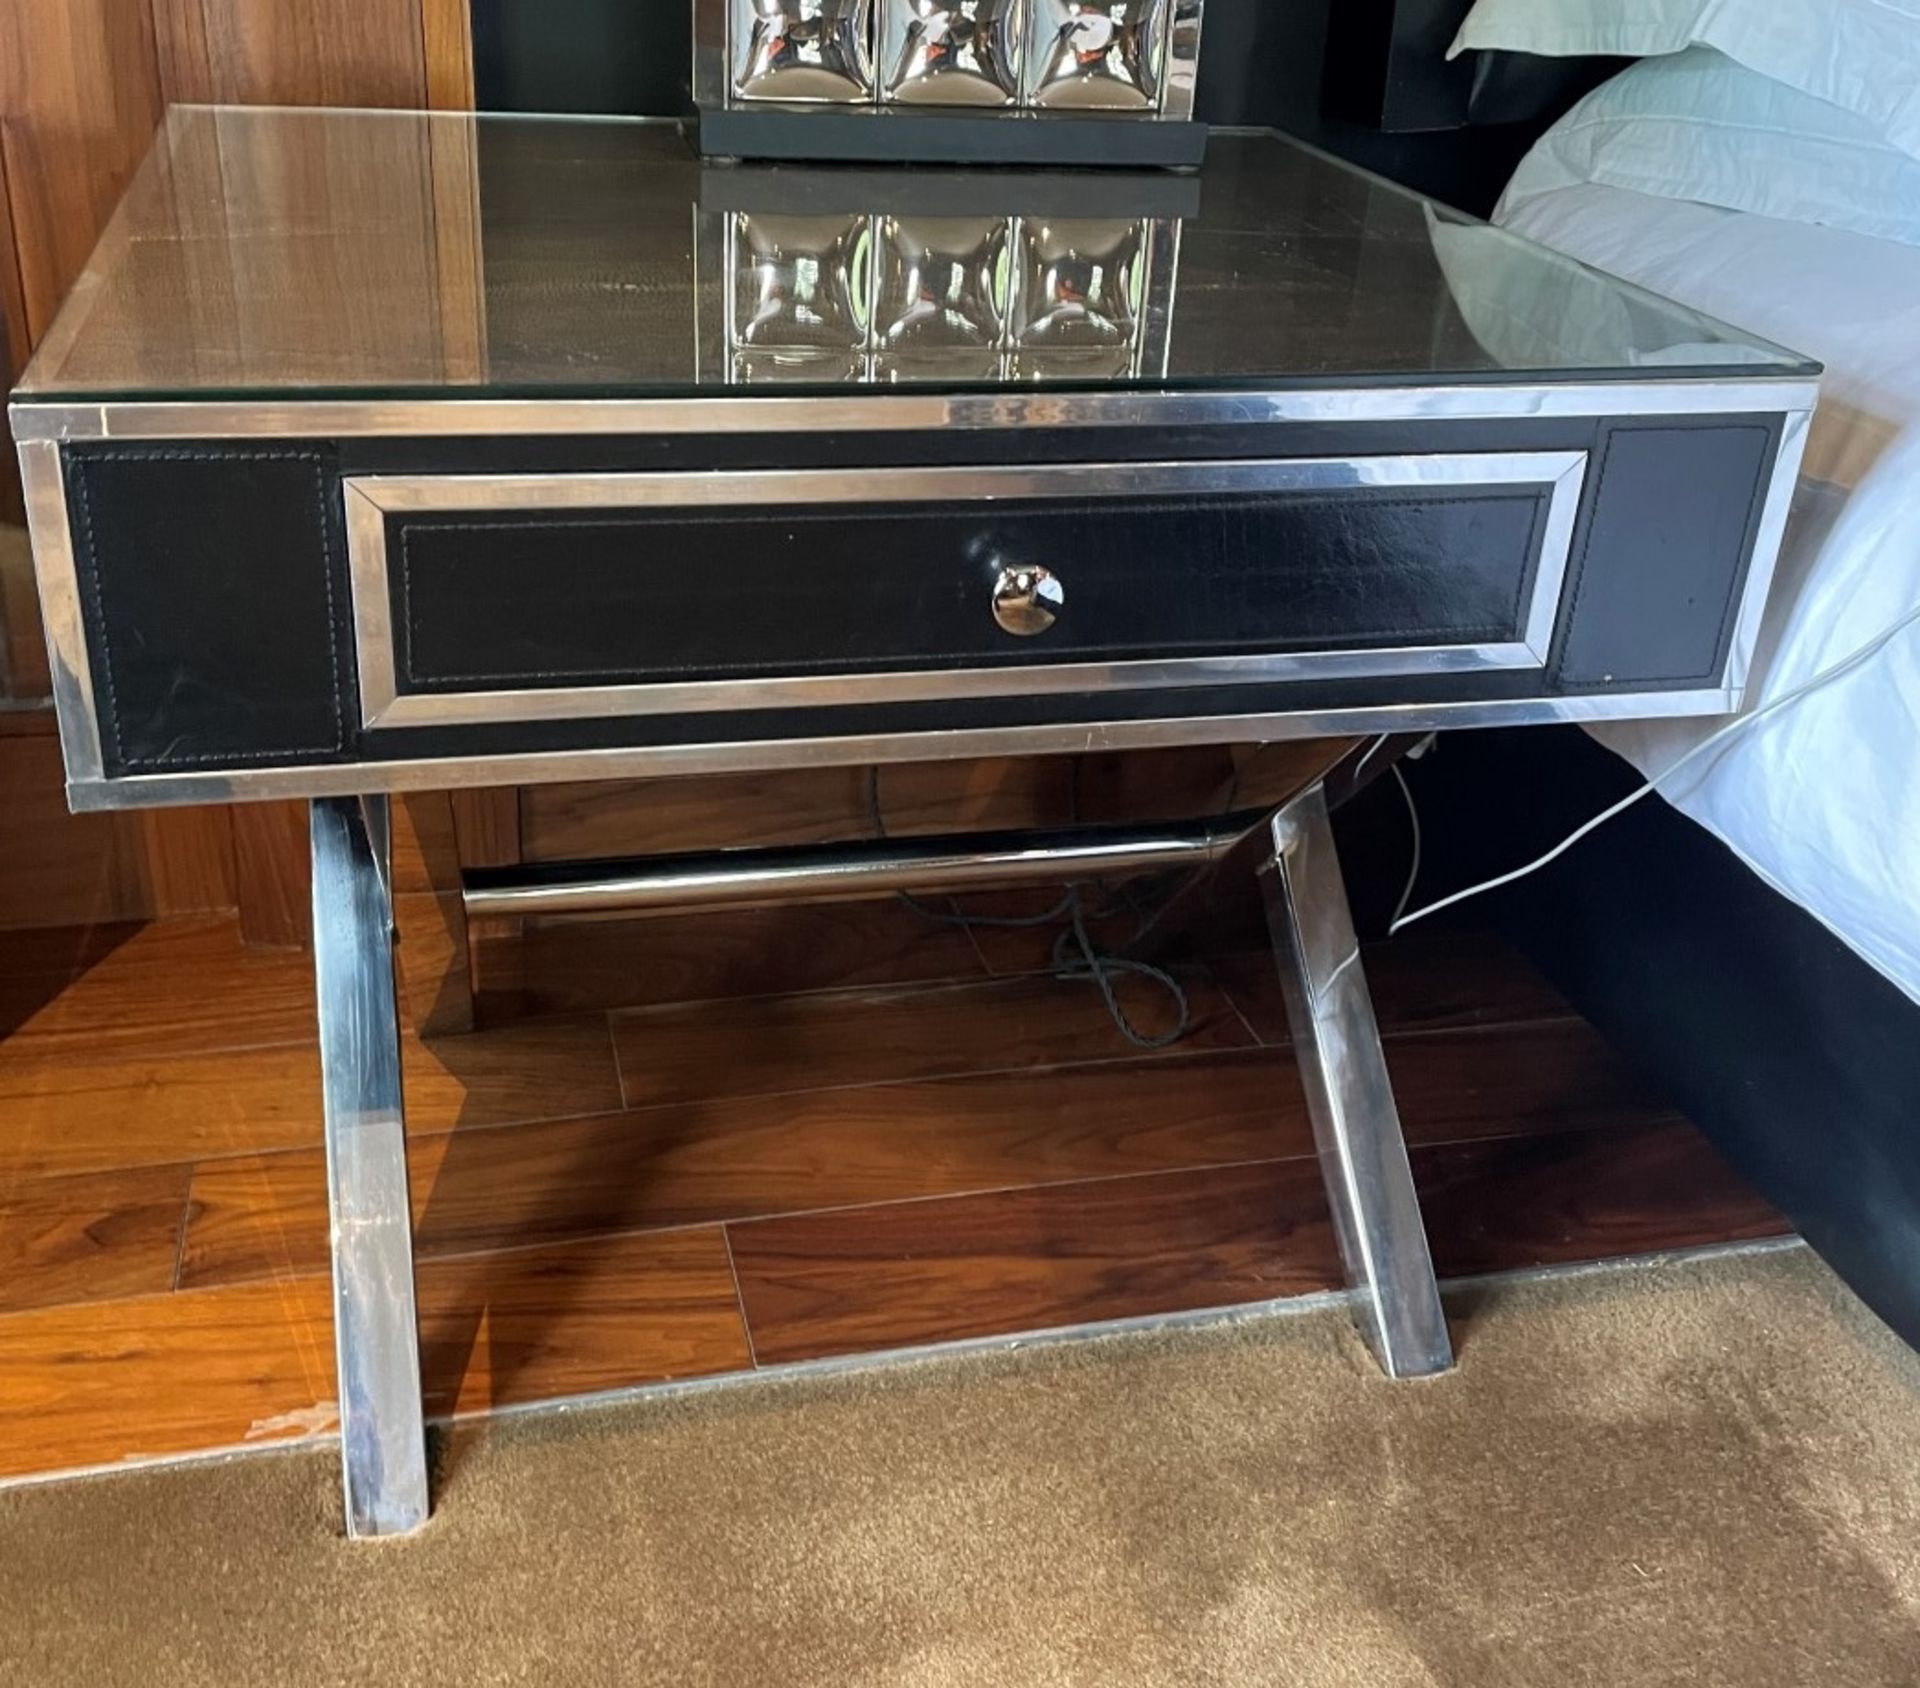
{"type": "Point", "coordinates": [775, 1376]}
{"type": "Point", "coordinates": [641, 761]}
{"type": "Point", "coordinates": [1767, 540]}
{"type": "Point", "coordinates": [386, 708]}
{"type": "Point", "coordinates": [372, 609]}
{"type": "Point", "coordinates": [712, 53]}
{"type": "Point", "coordinates": [1163, 280]}
{"type": "Point", "coordinates": [983, 483]}
{"type": "Point", "coordinates": [1556, 552]}
{"type": "Point", "coordinates": [43, 480]}
{"type": "Point", "coordinates": [371, 497]}
{"type": "Point", "coordinates": [862, 411]}
{"type": "Point", "coordinates": [1181, 73]}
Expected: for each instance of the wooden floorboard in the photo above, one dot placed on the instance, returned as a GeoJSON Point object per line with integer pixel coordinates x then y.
{"type": "Point", "coordinates": [60, 1113]}
{"type": "Point", "coordinates": [728, 1158]}
{"type": "Point", "coordinates": [907, 1132]}
{"type": "Point", "coordinates": [180, 987]}
{"type": "Point", "coordinates": [1499, 1081]}
{"type": "Point", "coordinates": [107, 1381]}
{"type": "Point", "coordinates": [940, 1271]}
{"type": "Point", "coordinates": [722, 1160]}
{"type": "Point", "coordinates": [1597, 1195]}
{"type": "Point", "coordinates": [857, 1280]}
{"type": "Point", "coordinates": [52, 955]}
{"type": "Point", "coordinates": [1439, 981]}
{"type": "Point", "coordinates": [90, 1238]}
{"type": "Point", "coordinates": [535, 1324]}
{"type": "Point", "coordinates": [822, 1040]}
{"type": "Point", "coordinates": [566, 967]}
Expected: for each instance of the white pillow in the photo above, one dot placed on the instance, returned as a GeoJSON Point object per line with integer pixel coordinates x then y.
{"type": "Point", "coordinates": [1698, 126]}
{"type": "Point", "coordinates": [1861, 55]}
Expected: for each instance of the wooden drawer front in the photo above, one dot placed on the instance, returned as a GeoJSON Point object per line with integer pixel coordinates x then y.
{"type": "Point", "coordinates": [482, 599]}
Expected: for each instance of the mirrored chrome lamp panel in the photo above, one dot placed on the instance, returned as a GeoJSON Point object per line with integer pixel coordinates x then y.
{"type": "Point", "coordinates": [954, 81]}
{"type": "Point", "coordinates": [951, 52]}
{"type": "Point", "coordinates": [805, 50]}
{"type": "Point", "coordinates": [1096, 55]}
{"type": "Point", "coordinates": [899, 296]}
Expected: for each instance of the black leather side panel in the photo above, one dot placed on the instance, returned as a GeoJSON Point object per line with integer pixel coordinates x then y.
{"type": "Point", "coordinates": [638, 596]}
{"type": "Point", "coordinates": [214, 594]}
{"type": "Point", "coordinates": [1673, 517]}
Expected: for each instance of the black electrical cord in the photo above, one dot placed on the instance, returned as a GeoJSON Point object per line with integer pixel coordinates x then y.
{"type": "Point", "coordinates": [1090, 964]}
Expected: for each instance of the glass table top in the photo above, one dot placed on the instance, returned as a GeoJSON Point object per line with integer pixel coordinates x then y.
{"type": "Point", "coordinates": [275, 253]}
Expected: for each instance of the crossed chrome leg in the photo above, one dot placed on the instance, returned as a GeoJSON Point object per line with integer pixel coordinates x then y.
{"type": "Point", "coordinates": [1356, 1126]}
{"type": "Point", "coordinates": [375, 1332]}
{"type": "Point", "coordinates": [382, 1436]}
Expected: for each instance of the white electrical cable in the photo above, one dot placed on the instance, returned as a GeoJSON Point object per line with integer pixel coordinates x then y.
{"type": "Point", "coordinates": [1367, 756]}
{"type": "Point", "coordinates": [1826, 675]}
{"type": "Point", "coordinates": [1413, 867]}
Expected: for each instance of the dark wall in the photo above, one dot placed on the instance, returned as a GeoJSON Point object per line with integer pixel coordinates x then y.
{"type": "Point", "coordinates": [1798, 1059]}
{"type": "Point", "coordinates": [625, 56]}
{"type": "Point", "coordinates": [1263, 62]}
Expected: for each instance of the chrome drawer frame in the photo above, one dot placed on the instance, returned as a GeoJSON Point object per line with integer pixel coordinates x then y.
{"type": "Point", "coordinates": [370, 499]}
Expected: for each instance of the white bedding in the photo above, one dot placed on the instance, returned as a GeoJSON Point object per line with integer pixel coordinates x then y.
{"type": "Point", "coordinates": [1823, 798]}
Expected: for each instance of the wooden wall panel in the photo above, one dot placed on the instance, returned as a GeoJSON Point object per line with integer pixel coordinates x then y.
{"type": "Point", "coordinates": [794, 806]}
{"type": "Point", "coordinates": [58, 869]}
{"type": "Point", "coordinates": [82, 86]}
{"type": "Point", "coordinates": [80, 95]}
{"type": "Point", "coordinates": [446, 31]}
{"type": "Point", "coordinates": [320, 52]}
{"type": "Point", "coordinates": [61, 869]}
{"type": "Point", "coordinates": [23, 647]}
{"type": "Point", "coordinates": [273, 885]}
{"type": "Point", "coordinates": [185, 858]}
{"type": "Point", "coordinates": [429, 920]}
{"type": "Point", "coordinates": [486, 826]}
{"type": "Point", "coordinates": [814, 805]}
{"type": "Point", "coordinates": [13, 358]}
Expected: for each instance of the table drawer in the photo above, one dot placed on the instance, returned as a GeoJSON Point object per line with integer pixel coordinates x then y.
{"type": "Point", "coordinates": [502, 598]}
{"type": "Point", "coordinates": [226, 613]}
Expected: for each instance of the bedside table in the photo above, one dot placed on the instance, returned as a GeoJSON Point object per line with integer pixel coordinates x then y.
{"type": "Point", "coordinates": [377, 452]}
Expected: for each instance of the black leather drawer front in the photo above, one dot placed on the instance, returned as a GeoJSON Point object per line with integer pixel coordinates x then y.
{"type": "Point", "coordinates": [501, 598]}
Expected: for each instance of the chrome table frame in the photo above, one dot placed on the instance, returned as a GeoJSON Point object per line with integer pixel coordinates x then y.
{"type": "Point", "coordinates": [1357, 1132]}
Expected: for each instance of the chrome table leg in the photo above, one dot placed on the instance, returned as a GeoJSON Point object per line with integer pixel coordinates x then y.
{"type": "Point", "coordinates": [1356, 1127]}
{"type": "Point", "coordinates": [376, 1339]}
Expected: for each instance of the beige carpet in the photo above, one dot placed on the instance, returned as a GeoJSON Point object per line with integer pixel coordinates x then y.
{"type": "Point", "coordinates": [1699, 1473]}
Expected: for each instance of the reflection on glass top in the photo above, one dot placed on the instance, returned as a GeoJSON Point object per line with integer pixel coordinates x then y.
{"type": "Point", "coordinates": [281, 253]}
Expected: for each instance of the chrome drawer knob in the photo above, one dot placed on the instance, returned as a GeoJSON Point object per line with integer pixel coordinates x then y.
{"type": "Point", "coordinates": [1026, 599]}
